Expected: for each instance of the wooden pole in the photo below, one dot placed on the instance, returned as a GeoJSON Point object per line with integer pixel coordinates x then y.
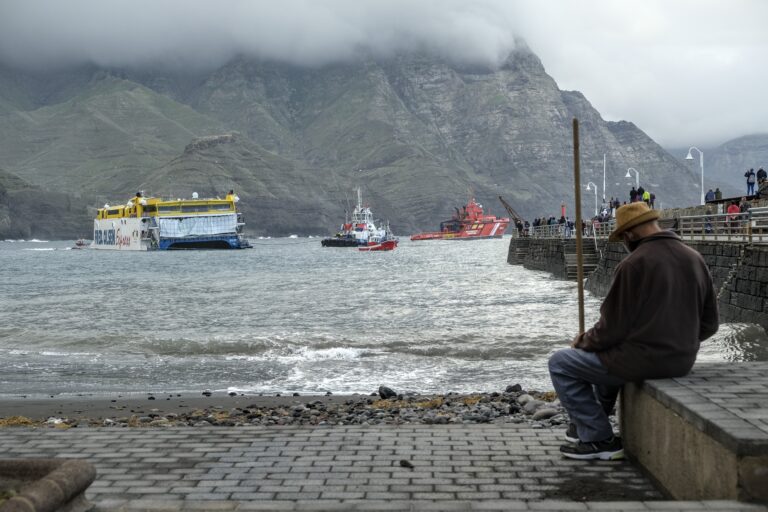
{"type": "Point", "coordinates": [577, 223]}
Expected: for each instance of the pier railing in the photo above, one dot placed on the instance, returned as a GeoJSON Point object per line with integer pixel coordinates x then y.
{"type": "Point", "coordinates": [750, 226]}
{"type": "Point", "coordinates": [598, 229]}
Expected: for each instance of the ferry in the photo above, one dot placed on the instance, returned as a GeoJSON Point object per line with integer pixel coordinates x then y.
{"type": "Point", "coordinates": [155, 224]}
{"type": "Point", "coordinates": [469, 223]}
{"type": "Point", "coordinates": [362, 232]}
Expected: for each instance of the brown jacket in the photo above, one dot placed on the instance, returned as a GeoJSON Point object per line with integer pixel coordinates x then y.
{"type": "Point", "coordinates": [661, 305]}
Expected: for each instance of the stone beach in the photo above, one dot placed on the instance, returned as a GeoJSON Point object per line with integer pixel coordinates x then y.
{"type": "Point", "coordinates": [536, 409]}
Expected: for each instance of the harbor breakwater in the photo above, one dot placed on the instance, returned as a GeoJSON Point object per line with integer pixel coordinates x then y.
{"type": "Point", "coordinates": [739, 271]}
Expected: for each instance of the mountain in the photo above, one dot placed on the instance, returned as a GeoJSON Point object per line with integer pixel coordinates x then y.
{"type": "Point", "coordinates": [415, 132]}
{"type": "Point", "coordinates": [725, 165]}
{"type": "Point", "coordinates": [101, 138]}
{"type": "Point", "coordinates": [267, 183]}
{"type": "Point", "coordinates": [27, 211]}
{"type": "Point", "coordinates": [729, 161]}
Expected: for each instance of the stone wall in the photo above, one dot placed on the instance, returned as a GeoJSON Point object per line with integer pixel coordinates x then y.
{"type": "Point", "coordinates": [599, 281]}
{"type": "Point", "coordinates": [540, 254]}
{"type": "Point", "coordinates": [745, 298]}
{"type": "Point", "coordinates": [739, 272]}
{"type": "Point", "coordinates": [719, 256]}
{"type": "Point", "coordinates": [518, 251]}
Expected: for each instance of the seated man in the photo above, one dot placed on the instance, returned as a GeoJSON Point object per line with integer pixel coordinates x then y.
{"type": "Point", "coordinates": [660, 307]}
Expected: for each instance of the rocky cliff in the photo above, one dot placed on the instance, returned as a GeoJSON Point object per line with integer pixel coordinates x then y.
{"type": "Point", "coordinates": [27, 212]}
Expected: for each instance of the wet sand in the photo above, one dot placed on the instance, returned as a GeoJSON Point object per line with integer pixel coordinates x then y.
{"type": "Point", "coordinates": [110, 406]}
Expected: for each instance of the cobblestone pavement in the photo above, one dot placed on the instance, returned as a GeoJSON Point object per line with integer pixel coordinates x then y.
{"type": "Point", "coordinates": [470, 467]}
{"type": "Point", "coordinates": [732, 398]}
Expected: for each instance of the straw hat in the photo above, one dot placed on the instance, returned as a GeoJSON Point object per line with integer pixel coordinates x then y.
{"type": "Point", "coordinates": [631, 215]}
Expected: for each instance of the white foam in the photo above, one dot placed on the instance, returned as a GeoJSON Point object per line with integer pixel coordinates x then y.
{"type": "Point", "coordinates": [36, 241]}
{"type": "Point", "coordinates": [42, 249]}
{"type": "Point", "coordinates": [305, 354]}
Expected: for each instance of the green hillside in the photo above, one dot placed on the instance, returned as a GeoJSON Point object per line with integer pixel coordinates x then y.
{"type": "Point", "coordinates": [105, 139]}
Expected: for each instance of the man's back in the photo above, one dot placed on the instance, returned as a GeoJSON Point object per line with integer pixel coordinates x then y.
{"type": "Point", "coordinates": [660, 305]}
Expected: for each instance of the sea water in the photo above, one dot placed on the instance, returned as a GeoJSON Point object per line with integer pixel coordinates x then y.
{"type": "Point", "coordinates": [289, 316]}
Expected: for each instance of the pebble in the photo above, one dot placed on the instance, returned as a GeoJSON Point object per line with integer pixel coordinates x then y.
{"type": "Point", "coordinates": [533, 405]}
{"type": "Point", "coordinates": [524, 399]}
{"type": "Point", "coordinates": [386, 393]}
{"type": "Point", "coordinates": [433, 409]}
{"type": "Point", "coordinates": [544, 413]}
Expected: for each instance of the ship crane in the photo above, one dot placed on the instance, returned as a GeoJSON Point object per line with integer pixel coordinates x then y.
{"type": "Point", "coordinates": [511, 211]}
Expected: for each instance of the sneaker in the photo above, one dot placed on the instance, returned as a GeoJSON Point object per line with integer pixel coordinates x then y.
{"type": "Point", "coordinates": [610, 449]}
{"type": "Point", "coordinates": [571, 435]}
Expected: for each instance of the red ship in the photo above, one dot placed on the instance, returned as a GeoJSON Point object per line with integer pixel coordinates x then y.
{"type": "Point", "coordinates": [468, 223]}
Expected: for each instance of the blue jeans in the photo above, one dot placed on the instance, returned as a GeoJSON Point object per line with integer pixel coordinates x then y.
{"type": "Point", "coordinates": [586, 390]}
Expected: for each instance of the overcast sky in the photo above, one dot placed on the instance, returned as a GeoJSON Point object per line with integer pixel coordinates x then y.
{"type": "Point", "coordinates": [687, 72]}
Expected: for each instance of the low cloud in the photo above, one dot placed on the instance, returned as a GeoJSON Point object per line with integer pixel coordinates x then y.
{"type": "Point", "coordinates": [193, 33]}
{"type": "Point", "coordinates": [685, 71]}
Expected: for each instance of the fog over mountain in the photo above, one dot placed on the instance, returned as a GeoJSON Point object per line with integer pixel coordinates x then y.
{"type": "Point", "coordinates": [183, 33]}
{"type": "Point", "coordinates": [685, 71]}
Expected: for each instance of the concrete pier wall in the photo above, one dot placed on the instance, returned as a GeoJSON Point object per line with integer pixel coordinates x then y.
{"type": "Point", "coordinates": [541, 254]}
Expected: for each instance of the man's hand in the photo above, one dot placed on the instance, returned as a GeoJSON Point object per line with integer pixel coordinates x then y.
{"type": "Point", "coordinates": [576, 341]}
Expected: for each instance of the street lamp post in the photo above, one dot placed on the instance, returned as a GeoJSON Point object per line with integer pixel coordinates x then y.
{"type": "Point", "coordinates": [603, 177]}
{"type": "Point", "coordinates": [595, 187]}
{"type": "Point", "coordinates": [701, 164]}
{"type": "Point", "coordinates": [637, 176]}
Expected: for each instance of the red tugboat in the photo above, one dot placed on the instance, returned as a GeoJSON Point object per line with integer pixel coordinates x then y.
{"type": "Point", "coordinates": [386, 245]}
{"type": "Point", "coordinates": [387, 242]}
{"type": "Point", "coordinates": [467, 224]}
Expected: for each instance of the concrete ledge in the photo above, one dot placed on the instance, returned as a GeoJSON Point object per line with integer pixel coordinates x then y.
{"type": "Point", "coordinates": [48, 484]}
{"type": "Point", "coordinates": [703, 436]}
{"type": "Point", "coordinates": [121, 505]}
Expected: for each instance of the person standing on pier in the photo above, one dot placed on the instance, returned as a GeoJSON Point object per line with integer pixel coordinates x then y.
{"type": "Point", "coordinates": [660, 307]}
{"type": "Point", "coordinates": [751, 179]}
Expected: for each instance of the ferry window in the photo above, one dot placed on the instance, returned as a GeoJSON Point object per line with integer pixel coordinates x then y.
{"type": "Point", "coordinates": [193, 208]}
{"type": "Point", "coordinates": [114, 211]}
{"type": "Point", "coordinates": [168, 208]}
{"type": "Point", "coordinates": [150, 209]}
{"type": "Point", "coordinates": [224, 206]}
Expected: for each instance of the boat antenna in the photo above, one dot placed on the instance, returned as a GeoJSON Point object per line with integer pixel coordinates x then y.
{"type": "Point", "coordinates": [346, 196]}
